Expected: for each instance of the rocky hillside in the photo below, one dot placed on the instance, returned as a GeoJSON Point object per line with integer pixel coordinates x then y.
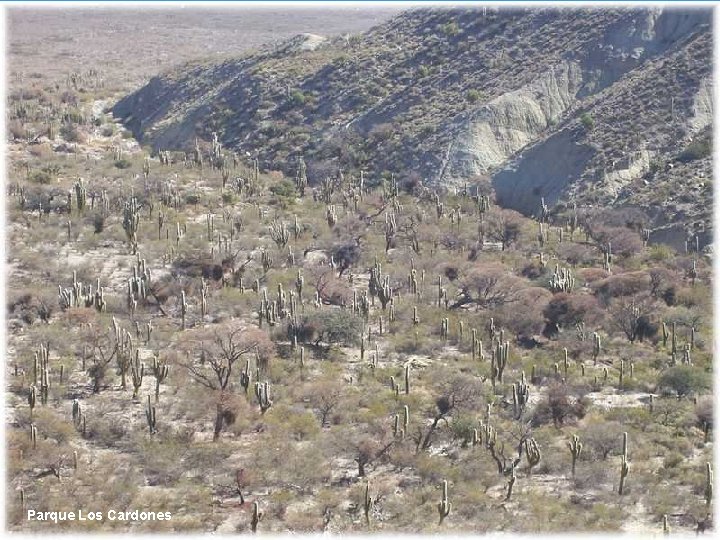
{"type": "Point", "coordinates": [591, 106]}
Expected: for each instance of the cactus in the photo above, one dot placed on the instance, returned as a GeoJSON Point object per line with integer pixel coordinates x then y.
{"type": "Point", "coordinates": [203, 297]}
{"type": "Point", "coordinates": [407, 379]}
{"type": "Point", "coordinates": [160, 370]}
{"type": "Point", "coordinates": [368, 503]}
{"type": "Point", "coordinates": [624, 465]}
{"type": "Point", "coordinates": [666, 527]}
{"type": "Point", "coordinates": [331, 216]}
{"type": "Point", "coordinates": [33, 436]}
{"type": "Point", "coordinates": [80, 195]}
{"type": "Point", "coordinates": [150, 416]}
{"type": "Point", "coordinates": [257, 516]}
{"type": "Point", "coordinates": [131, 221]}
{"type": "Point", "coordinates": [520, 394]}
{"type": "Point", "coordinates": [262, 393]}
{"type": "Point", "coordinates": [562, 280]}
{"type": "Point", "coordinates": [500, 357]}
{"type": "Point", "coordinates": [137, 371]}
{"type": "Point", "coordinates": [76, 413]}
{"type": "Point", "coordinates": [32, 398]}
{"type": "Point", "coordinates": [575, 447]}
{"type": "Point", "coordinates": [444, 506]}
{"type": "Point", "coordinates": [596, 347]}
{"type": "Point", "coordinates": [708, 484]}
{"type": "Point", "coordinates": [279, 233]}
{"type": "Point", "coordinates": [532, 452]}
{"type": "Point", "coordinates": [183, 308]}
{"type": "Point", "coordinates": [266, 260]}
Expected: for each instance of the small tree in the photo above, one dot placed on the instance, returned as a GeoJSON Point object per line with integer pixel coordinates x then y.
{"type": "Point", "coordinates": [330, 326]}
{"type": "Point", "coordinates": [685, 380]}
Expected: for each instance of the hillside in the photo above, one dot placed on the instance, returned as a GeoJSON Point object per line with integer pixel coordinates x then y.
{"type": "Point", "coordinates": [447, 95]}
{"type": "Point", "coordinates": [205, 342]}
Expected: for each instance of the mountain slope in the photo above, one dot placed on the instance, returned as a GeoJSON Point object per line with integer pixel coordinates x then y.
{"type": "Point", "coordinates": [569, 105]}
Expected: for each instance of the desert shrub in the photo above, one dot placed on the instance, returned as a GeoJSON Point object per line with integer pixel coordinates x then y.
{"type": "Point", "coordinates": [587, 120]}
{"type": "Point", "coordinates": [297, 98]}
{"type": "Point", "coordinates": [685, 380]}
{"type": "Point", "coordinates": [284, 193]}
{"type": "Point", "coordinates": [704, 412]}
{"type": "Point", "coordinates": [576, 254]}
{"type": "Point", "coordinates": [697, 149]}
{"type": "Point", "coordinates": [331, 326]}
{"type": "Point", "coordinates": [123, 163]}
{"type": "Point", "coordinates": [72, 133]}
{"type": "Point", "coordinates": [625, 284]}
{"type": "Point", "coordinates": [297, 424]}
{"type": "Point", "coordinates": [488, 285]}
{"type": "Point", "coordinates": [559, 406]}
{"type": "Point", "coordinates": [601, 438]}
{"type": "Point", "coordinates": [472, 96]}
{"type": "Point", "coordinates": [41, 177]}
{"type": "Point", "coordinates": [524, 317]}
{"type": "Point", "coordinates": [98, 223]}
{"type": "Point", "coordinates": [566, 310]}
{"type": "Point", "coordinates": [450, 28]}
{"type": "Point", "coordinates": [17, 130]}
{"type": "Point", "coordinates": [346, 255]}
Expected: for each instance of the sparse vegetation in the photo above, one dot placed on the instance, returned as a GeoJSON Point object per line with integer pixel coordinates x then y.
{"type": "Point", "coordinates": [312, 343]}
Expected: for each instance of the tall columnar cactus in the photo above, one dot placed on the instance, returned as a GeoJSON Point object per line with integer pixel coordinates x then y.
{"type": "Point", "coordinates": [257, 516]}
{"type": "Point", "coordinates": [150, 416]}
{"type": "Point", "coordinates": [596, 347]}
{"type": "Point", "coordinates": [532, 452]}
{"type": "Point", "coordinates": [562, 280]}
{"type": "Point", "coordinates": [80, 195]}
{"type": "Point", "coordinates": [33, 436]}
{"type": "Point", "coordinates": [76, 413]}
{"type": "Point", "coordinates": [137, 371]}
{"type": "Point", "coordinates": [131, 221]}
{"type": "Point", "coordinates": [262, 393]}
{"type": "Point", "coordinates": [624, 465]}
{"type": "Point", "coordinates": [444, 506]}
{"type": "Point", "coordinates": [160, 370]}
{"type": "Point", "coordinates": [331, 216]}
{"type": "Point", "coordinates": [280, 233]}
{"type": "Point", "coordinates": [407, 379]}
{"type": "Point", "coordinates": [368, 503]}
{"type": "Point", "coordinates": [32, 398]}
{"type": "Point", "coordinates": [501, 354]}
{"type": "Point", "coordinates": [666, 527]}
{"type": "Point", "coordinates": [575, 447]}
{"type": "Point", "coordinates": [245, 375]}
{"type": "Point", "coordinates": [183, 308]}
{"type": "Point", "coordinates": [708, 484]}
{"type": "Point", "coordinates": [520, 395]}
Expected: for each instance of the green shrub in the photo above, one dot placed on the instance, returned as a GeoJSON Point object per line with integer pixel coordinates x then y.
{"type": "Point", "coordinates": [450, 28]}
{"type": "Point", "coordinates": [472, 96]}
{"type": "Point", "coordinates": [697, 149]}
{"type": "Point", "coordinates": [297, 98]}
{"type": "Point", "coordinates": [685, 380]}
{"type": "Point", "coordinates": [587, 121]}
{"type": "Point", "coordinates": [123, 164]}
{"type": "Point", "coordinates": [330, 326]}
